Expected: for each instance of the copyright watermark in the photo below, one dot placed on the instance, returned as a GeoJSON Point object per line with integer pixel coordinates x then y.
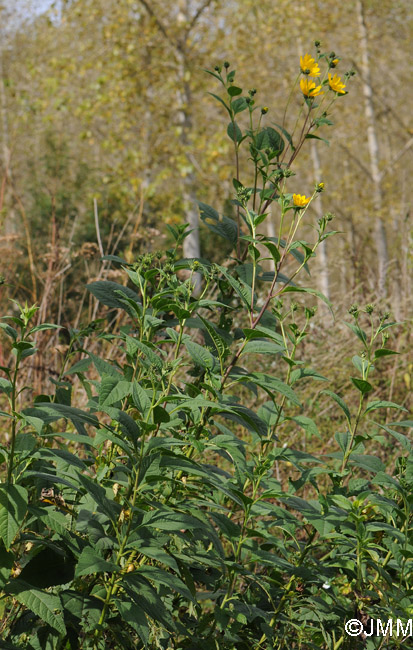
{"type": "Point", "coordinates": [377, 627]}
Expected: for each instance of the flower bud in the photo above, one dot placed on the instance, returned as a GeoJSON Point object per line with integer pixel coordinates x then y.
{"type": "Point", "coordinates": [319, 187]}
{"type": "Point", "coordinates": [264, 110]}
{"type": "Point", "coordinates": [226, 64]}
{"type": "Point", "coordinates": [369, 309]}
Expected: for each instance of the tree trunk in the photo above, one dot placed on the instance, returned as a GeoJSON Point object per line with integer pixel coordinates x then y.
{"type": "Point", "coordinates": [373, 146]}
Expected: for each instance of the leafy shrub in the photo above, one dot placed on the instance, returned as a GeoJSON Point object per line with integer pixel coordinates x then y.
{"type": "Point", "coordinates": [168, 510]}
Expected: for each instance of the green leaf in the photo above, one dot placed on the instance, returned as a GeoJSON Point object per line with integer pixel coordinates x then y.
{"type": "Point", "coordinates": [234, 132]}
{"type": "Point", "coordinates": [80, 366]}
{"type": "Point", "coordinates": [218, 341]}
{"type": "Point", "coordinates": [242, 290]}
{"type": "Point", "coordinates": [5, 386]}
{"type": "Point", "coordinates": [310, 136]}
{"type": "Point", "coordinates": [43, 604]}
{"type": "Point", "coordinates": [113, 390]}
{"type": "Point", "coordinates": [343, 438]}
{"type": "Point", "coordinates": [272, 248]}
{"type": "Point", "coordinates": [146, 598]}
{"type": "Point", "coordinates": [356, 329]}
{"type": "Point", "coordinates": [307, 424]}
{"type": "Point", "coordinates": [286, 134]}
{"type": "Point", "coordinates": [384, 352]}
{"type": "Point", "coordinates": [141, 399]}
{"type": "Point", "coordinates": [271, 384]}
{"type": "Point", "coordinates": [68, 412]}
{"type": "Point", "coordinates": [90, 562]}
{"type": "Point", "coordinates": [313, 292]}
{"type": "Point", "coordinates": [219, 98]}
{"type": "Point", "coordinates": [233, 91]}
{"type": "Point", "coordinates": [13, 508]}
{"type": "Point", "coordinates": [199, 355]}
{"type": "Point", "coordinates": [261, 346]}
{"type": "Point", "coordinates": [339, 400]}
{"type": "Point", "coordinates": [108, 294]}
{"type": "Point", "coordinates": [380, 404]}
{"type": "Point", "coordinates": [224, 227]}
{"type": "Point", "coordinates": [269, 138]}
{"type": "Point", "coordinates": [362, 385]}
{"type": "Point", "coordinates": [238, 105]}
{"type": "Point", "coordinates": [160, 576]}
{"type": "Point", "coordinates": [134, 616]}
{"type": "Point", "coordinates": [367, 462]}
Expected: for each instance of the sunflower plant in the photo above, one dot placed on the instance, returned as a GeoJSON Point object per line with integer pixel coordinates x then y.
{"type": "Point", "coordinates": [154, 499]}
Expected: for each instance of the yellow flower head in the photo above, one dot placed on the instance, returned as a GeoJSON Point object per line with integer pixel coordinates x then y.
{"type": "Point", "coordinates": [309, 89]}
{"type": "Point", "coordinates": [300, 201]}
{"type": "Point", "coordinates": [309, 66]}
{"type": "Point", "coordinates": [336, 84]}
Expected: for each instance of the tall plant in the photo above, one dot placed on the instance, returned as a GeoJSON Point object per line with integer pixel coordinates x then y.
{"type": "Point", "coordinates": [171, 511]}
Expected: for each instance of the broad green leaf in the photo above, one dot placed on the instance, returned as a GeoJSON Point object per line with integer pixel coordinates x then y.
{"type": "Point", "coordinates": [113, 390]}
{"type": "Point", "coordinates": [307, 424]}
{"type": "Point", "coordinates": [141, 398]}
{"type": "Point", "coordinates": [362, 385]}
{"type": "Point", "coordinates": [199, 355]}
{"type": "Point", "coordinates": [272, 384]}
{"type": "Point", "coordinates": [260, 346]}
{"type": "Point", "coordinates": [234, 132]}
{"type": "Point", "coordinates": [233, 91]}
{"type": "Point", "coordinates": [91, 562]}
{"type": "Point", "coordinates": [107, 293]}
{"type": "Point", "coordinates": [367, 462]}
{"type": "Point", "coordinates": [238, 105]}
{"type": "Point", "coordinates": [45, 605]}
{"type": "Point", "coordinates": [13, 508]}
{"type": "Point", "coordinates": [134, 616]}
{"type": "Point", "coordinates": [269, 138]}
{"type": "Point", "coordinates": [224, 226]}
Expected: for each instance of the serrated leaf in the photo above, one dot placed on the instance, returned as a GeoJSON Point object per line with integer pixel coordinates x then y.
{"type": "Point", "coordinates": [13, 508]}
{"type": "Point", "coordinates": [107, 293]}
{"type": "Point", "coordinates": [43, 604]}
{"type": "Point", "coordinates": [199, 355]}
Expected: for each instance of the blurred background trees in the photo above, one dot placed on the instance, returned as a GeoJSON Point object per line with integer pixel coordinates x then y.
{"type": "Point", "coordinates": [87, 93]}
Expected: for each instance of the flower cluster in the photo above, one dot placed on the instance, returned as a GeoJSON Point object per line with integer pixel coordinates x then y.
{"type": "Point", "coordinates": [310, 68]}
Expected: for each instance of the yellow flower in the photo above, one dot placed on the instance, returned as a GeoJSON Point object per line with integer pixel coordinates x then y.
{"type": "Point", "coordinates": [309, 89]}
{"type": "Point", "coordinates": [309, 66]}
{"type": "Point", "coordinates": [336, 84]}
{"type": "Point", "coordinates": [300, 201]}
